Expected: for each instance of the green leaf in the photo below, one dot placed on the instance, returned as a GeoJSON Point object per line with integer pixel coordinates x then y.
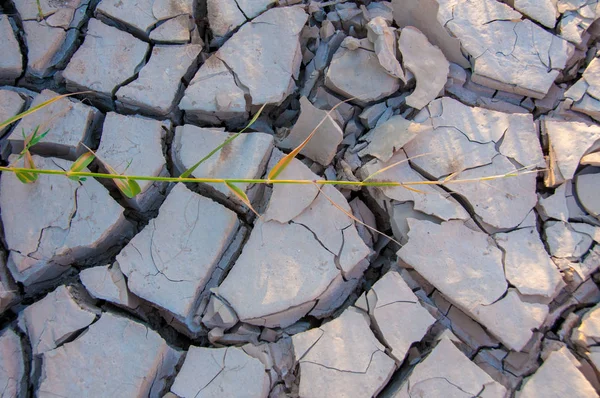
{"type": "Point", "coordinates": [36, 108]}
{"type": "Point", "coordinates": [239, 192]}
{"type": "Point", "coordinates": [82, 162]}
{"type": "Point", "coordinates": [26, 177]}
{"type": "Point", "coordinates": [130, 188]}
{"type": "Point", "coordinates": [31, 140]}
{"type": "Point", "coordinates": [189, 171]}
{"type": "Point", "coordinates": [37, 138]}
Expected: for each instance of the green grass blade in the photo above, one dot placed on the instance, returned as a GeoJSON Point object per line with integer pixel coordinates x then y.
{"type": "Point", "coordinates": [237, 191]}
{"type": "Point", "coordinates": [189, 171]}
{"type": "Point", "coordinates": [29, 111]}
{"type": "Point", "coordinates": [28, 177]}
{"type": "Point", "coordinates": [130, 188]}
{"type": "Point", "coordinates": [83, 161]}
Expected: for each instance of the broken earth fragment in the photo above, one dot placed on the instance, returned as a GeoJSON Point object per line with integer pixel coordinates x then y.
{"type": "Point", "coordinates": [324, 144]}
{"type": "Point", "coordinates": [55, 318]}
{"type": "Point", "coordinates": [566, 152]}
{"type": "Point", "coordinates": [178, 30]}
{"type": "Point", "coordinates": [557, 377]}
{"type": "Point", "coordinates": [342, 358]}
{"type": "Point", "coordinates": [11, 104]}
{"type": "Point", "coordinates": [251, 64]}
{"type": "Point", "coordinates": [108, 283]}
{"type": "Point", "coordinates": [428, 199]}
{"type": "Point", "coordinates": [512, 319]}
{"type": "Point", "coordinates": [384, 42]}
{"type": "Point", "coordinates": [588, 332]}
{"type": "Point", "coordinates": [388, 137]}
{"type": "Point", "coordinates": [133, 145]}
{"type": "Point", "coordinates": [527, 264]}
{"type": "Point", "coordinates": [542, 11]}
{"type": "Point", "coordinates": [226, 372]}
{"type": "Point", "coordinates": [107, 59]}
{"type": "Point", "coordinates": [425, 15]}
{"type": "Point", "coordinates": [80, 368]}
{"type": "Point", "coordinates": [279, 208]}
{"type": "Point", "coordinates": [160, 80]}
{"type": "Point", "coordinates": [9, 293]}
{"type": "Point", "coordinates": [577, 17]}
{"type": "Point", "coordinates": [587, 187]}
{"type": "Point", "coordinates": [501, 203]}
{"type": "Point", "coordinates": [476, 286]}
{"type": "Point", "coordinates": [507, 52]}
{"type": "Point", "coordinates": [189, 230]}
{"type": "Point", "coordinates": [244, 157]}
{"type": "Point", "coordinates": [46, 236]}
{"type": "Point", "coordinates": [140, 17]}
{"type": "Point", "coordinates": [213, 95]}
{"type": "Point", "coordinates": [52, 38]}
{"type": "Point", "coordinates": [69, 123]}
{"type": "Point", "coordinates": [355, 72]}
{"type": "Point", "coordinates": [12, 365]}
{"type": "Point", "coordinates": [11, 64]}
{"type": "Point", "coordinates": [310, 252]}
{"type": "Point", "coordinates": [447, 372]}
{"type": "Point", "coordinates": [390, 302]}
{"type": "Point", "coordinates": [564, 241]}
{"type": "Point", "coordinates": [426, 62]}
{"type": "Point", "coordinates": [459, 280]}
{"type": "Point", "coordinates": [224, 16]}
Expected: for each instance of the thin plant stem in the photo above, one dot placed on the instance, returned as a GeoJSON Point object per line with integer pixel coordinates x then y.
{"type": "Point", "coordinates": [260, 180]}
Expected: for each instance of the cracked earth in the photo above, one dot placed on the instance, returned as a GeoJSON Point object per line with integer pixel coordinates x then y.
{"type": "Point", "coordinates": [488, 288]}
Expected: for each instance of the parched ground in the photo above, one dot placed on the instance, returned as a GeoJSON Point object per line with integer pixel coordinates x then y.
{"type": "Point", "coordinates": [483, 288]}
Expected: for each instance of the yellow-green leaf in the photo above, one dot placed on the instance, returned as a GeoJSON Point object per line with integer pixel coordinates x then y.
{"type": "Point", "coordinates": [130, 188]}
{"type": "Point", "coordinates": [239, 192]}
{"type": "Point", "coordinates": [36, 108]}
{"type": "Point", "coordinates": [82, 162]}
{"type": "Point", "coordinates": [27, 177]}
{"type": "Point", "coordinates": [189, 171]}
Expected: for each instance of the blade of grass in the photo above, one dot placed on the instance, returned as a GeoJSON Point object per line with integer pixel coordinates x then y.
{"type": "Point", "coordinates": [28, 177]}
{"type": "Point", "coordinates": [37, 108]}
{"type": "Point", "coordinates": [127, 185]}
{"type": "Point", "coordinates": [283, 163]}
{"type": "Point", "coordinates": [39, 9]}
{"type": "Point", "coordinates": [81, 163]}
{"type": "Point", "coordinates": [12, 169]}
{"type": "Point", "coordinates": [130, 188]}
{"type": "Point", "coordinates": [237, 191]}
{"type": "Point", "coordinates": [189, 171]}
{"type": "Point", "coordinates": [414, 190]}
{"type": "Point", "coordinates": [452, 176]}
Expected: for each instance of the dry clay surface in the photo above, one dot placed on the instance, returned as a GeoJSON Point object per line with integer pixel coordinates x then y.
{"type": "Point", "coordinates": [482, 282]}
